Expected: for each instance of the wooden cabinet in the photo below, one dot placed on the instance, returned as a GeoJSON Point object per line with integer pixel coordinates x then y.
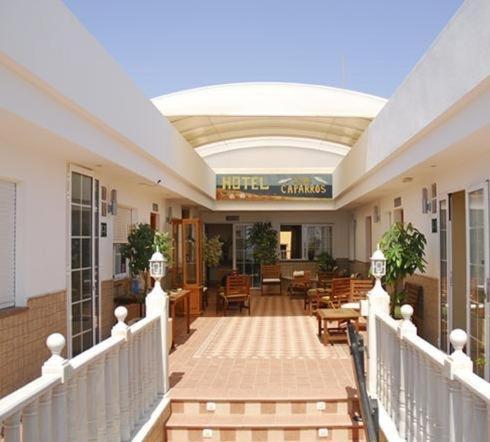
{"type": "Point", "coordinates": [187, 268]}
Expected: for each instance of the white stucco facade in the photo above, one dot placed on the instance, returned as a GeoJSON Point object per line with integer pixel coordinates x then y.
{"type": "Point", "coordinates": [55, 113]}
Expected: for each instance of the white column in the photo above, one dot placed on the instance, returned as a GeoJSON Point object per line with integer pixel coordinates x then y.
{"type": "Point", "coordinates": [157, 304]}
{"type": "Point", "coordinates": [121, 329]}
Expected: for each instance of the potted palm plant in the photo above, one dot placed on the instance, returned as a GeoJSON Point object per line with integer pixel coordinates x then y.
{"type": "Point", "coordinates": [404, 250]}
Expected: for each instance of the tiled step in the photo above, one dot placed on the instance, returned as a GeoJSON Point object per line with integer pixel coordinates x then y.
{"type": "Point", "coordinates": [265, 407]}
{"type": "Point", "coordinates": [277, 428]}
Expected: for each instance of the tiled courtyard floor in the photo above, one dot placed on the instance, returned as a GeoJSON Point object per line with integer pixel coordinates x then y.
{"type": "Point", "coordinates": [274, 353]}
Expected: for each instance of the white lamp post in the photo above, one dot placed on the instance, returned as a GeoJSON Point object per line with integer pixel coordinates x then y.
{"type": "Point", "coordinates": [378, 301]}
{"type": "Point", "coordinates": [157, 305]}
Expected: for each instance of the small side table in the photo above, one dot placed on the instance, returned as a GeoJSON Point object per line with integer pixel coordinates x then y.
{"type": "Point", "coordinates": [336, 333]}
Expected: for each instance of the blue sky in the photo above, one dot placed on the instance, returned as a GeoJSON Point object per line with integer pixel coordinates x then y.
{"type": "Point", "coordinates": [166, 46]}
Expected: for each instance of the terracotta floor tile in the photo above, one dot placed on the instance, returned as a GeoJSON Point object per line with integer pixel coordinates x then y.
{"type": "Point", "coordinates": [272, 353]}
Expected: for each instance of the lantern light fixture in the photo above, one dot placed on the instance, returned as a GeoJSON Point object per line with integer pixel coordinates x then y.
{"type": "Point", "coordinates": [157, 266]}
{"type": "Point", "coordinates": [378, 263]}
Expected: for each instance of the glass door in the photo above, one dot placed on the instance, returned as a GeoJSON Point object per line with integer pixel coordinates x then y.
{"type": "Point", "coordinates": [243, 254]}
{"type": "Point", "coordinates": [84, 284]}
{"type": "Point", "coordinates": [477, 277]}
{"type": "Point", "coordinates": [444, 269]}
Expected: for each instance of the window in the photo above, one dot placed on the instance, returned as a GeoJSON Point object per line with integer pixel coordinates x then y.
{"type": "Point", "coordinates": [7, 244]}
{"type": "Point", "coordinates": [120, 264]}
{"type": "Point", "coordinates": [305, 241]}
{"type": "Point", "coordinates": [122, 226]}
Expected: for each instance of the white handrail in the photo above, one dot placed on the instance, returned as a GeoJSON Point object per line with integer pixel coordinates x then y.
{"type": "Point", "coordinates": [30, 392]}
{"type": "Point", "coordinates": [105, 393]}
{"type": "Point", "coordinates": [425, 394]}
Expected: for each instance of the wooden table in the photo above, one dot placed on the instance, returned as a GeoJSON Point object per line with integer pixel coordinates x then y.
{"type": "Point", "coordinates": [175, 298]}
{"type": "Point", "coordinates": [338, 315]}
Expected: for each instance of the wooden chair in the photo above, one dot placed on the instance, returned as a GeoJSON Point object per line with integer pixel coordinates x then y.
{"type": "Point", "coordinates": [318, 298]}
{"type": "Point", "coordinates": [360, 289]}
{"type": "Point", "coordinates": [237, 291]}
{"type": "Point", "coordinates": [341, 291]}
{"type": "Point", "coordinates": [300, 284]}
{"type": "Point", "coordinates": [270, 275]}
{"type": "Point", "coordinates": [325, 279]}
{"type": "Point", "coordinates": [414, 298]}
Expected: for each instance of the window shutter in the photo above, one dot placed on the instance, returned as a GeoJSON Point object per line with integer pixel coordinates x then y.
{"type": "Point", "coordinates": [7, 244]}
{"type": "Point", "coordinates": [122, 225]}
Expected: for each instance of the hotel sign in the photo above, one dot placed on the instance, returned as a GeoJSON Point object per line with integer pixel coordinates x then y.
{"type": "Point", "coordinates": [265, 187]}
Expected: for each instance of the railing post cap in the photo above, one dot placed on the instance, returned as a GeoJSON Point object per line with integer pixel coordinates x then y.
{"type": "Point", "coordinates": [406, 311]}
{"type": "Point", "coordinates": [121, 328]}
{"type": "Point", "coordinates": [121, 313]}
{"type": "Point", "coordinates": [56, 343]}
{"type": "Point", "coordinates": [458, 339]}
{"type": "Point", "coordinates": [56, 364]}
{"type": "Point", "coordinates": [457, 360]}
{"type": "Point", "coordinates": [406, 326]}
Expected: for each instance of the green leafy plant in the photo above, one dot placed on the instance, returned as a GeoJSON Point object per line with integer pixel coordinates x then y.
{"type": "Point", "coordinates": [212, 249]}
{"type": "Point", "coordinates": [404, 250]}
{"type": "Point", "coordinates": [326, 262]}
{"type": "Point", "coordinates": [142, 243]}
{"type": "Point", "coordinates": [263, 238]}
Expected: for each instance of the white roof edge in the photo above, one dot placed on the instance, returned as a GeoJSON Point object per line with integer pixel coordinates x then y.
{"type": "Point", "coordinates": [269, 98]}
{"type": "Point", "coordinates": [279, 141]}
{"type": "Point", "coordinates": [268, 83]}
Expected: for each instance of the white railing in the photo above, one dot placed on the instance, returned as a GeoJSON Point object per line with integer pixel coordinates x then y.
{"type": "Point", "coordinates": [104, 394]}
{"type": "Point", "coordinates": [423, 393]}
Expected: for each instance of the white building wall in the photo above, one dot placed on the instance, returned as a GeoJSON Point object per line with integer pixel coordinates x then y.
{"type": "Point", "coordinates": [41, 222]}
{"type": "Point", "coordinates": [467, 172]}
{"type": "Point", "coordinates": [42, 216]}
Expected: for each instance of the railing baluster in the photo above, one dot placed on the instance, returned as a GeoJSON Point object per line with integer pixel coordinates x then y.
{"type": "Point", "coordinates": [83, 405]}
{"type": "Point", "coordinates": [101, 400]}
{"type": "Point", "coordinates": [467, 415]}
{"type": "Point", "coordinates": [59, 413]}
{"type": "Point", "coordinates": [73, 401]}
{"type": "Point", "coordinates": [124, 374]}
{"type": "Point", "coordinates": [12, 428]}
{"type": "Point", "coordinates": [45, 417]}
{"type": "Point", "coordinates": [109, 397]}
{"type": "Point", "coordinates": [115, 397]}
{"type": "Point", "coordinates": [30, 422]}
{"type": "Point", "coordinates": [92, 402]}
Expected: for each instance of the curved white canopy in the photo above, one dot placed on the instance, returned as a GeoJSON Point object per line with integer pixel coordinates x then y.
{"type": "Point", "coordinates": [219, 114]}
